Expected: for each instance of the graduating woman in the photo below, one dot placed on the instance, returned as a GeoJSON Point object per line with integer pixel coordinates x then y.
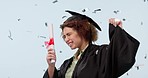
{"type": "Point", "coordinates": [90, 60]}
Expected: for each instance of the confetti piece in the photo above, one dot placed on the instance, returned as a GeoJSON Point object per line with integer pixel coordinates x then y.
{"type": "Point", "coordinates": [42, 37]}
{"type": "Point", "coordinates": [127, 74]}
{"type": "Point", "coordinates": [55, 1]}
{"type": "Point", "coordinates": [124, 19]}
{"type": "Point", "coordinates": [60, 51]}
{"type": "Point", "coordinates": [138, 66]}
{"type": "Point", "coordinates": [116, 11]}
{"type": "Point", "coordinates": [44, 70]}
{"type": "Point", "coordinates": [18, 19]}
{"type": "Point", "coordinates": [96, 10]}
{"type": "Point", "coordinates": [36, 4]}
{"type": "Point", "coordinates": [46, 24]}
{"type": "Point", "coordinates": [64, 17]}
{"type": "Point", "coordinates": [10, 35]}
{"type": "Point", "coordinates": [141, 23]}
{"type": "Point", "coordinates": [145, 56]}
{"type": "Point", "coordinates": [42, 45]}
{"type": "Point", "coordinates": [84, 10]}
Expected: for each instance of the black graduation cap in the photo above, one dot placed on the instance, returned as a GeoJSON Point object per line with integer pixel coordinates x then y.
{"type": "Point", "coordinates": [86, 17]}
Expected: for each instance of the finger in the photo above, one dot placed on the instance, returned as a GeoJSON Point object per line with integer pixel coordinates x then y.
{"type": "Point", "coordinates": [50, 49]}
{"type": "Point", "coordinates": [51, 57]}
{"type": "Point", "coordinates": [113, 21]}
{"type": "Point", "coordinates": [118, 22]}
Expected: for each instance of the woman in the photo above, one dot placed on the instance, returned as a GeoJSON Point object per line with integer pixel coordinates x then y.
{"type": "Point", "coordinates": [93, 61]}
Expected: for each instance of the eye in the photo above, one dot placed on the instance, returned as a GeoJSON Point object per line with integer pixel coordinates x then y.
{"type": "Point", "coordinates": [68, 34]}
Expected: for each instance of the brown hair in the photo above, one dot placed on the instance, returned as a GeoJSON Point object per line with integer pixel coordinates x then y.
{"type": "Point", "coordinates": [85, 29]}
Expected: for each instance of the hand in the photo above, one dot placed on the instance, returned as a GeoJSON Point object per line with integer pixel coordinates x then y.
{"type": "Point", "coordinates": [115, 22]}
{"type": "Point", "coordinates": [51, 56]}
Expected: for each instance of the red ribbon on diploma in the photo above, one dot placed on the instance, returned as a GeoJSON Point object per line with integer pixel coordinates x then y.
{"type": "Point", "coordinates": [50, 42]}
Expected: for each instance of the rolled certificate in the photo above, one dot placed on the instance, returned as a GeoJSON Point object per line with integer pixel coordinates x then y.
{"type": "Point", "coordinates": [50, 44]}
{"type": "Point", "coordinates": [51, 41]}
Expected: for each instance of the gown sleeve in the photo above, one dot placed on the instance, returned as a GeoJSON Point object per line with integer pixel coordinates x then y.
{"type": "Point", "coordinates": [60, 73]}
{"type": "Point", "coordinates": [47, 76]}
{"type": "Point", "coordinates": [122, 50]}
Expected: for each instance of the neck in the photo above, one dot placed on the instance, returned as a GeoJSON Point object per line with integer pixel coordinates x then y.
{"type": "Point", "coordinates": [83, 46]}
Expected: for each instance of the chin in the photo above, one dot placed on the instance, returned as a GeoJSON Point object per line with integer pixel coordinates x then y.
{"type": "Point", "coordinates": [73, 48]}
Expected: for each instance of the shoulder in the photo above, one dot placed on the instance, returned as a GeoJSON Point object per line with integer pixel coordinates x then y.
{"type": "Point", "coordinates": [95, 49]}
{"type": "Point", "coordinates": [100, 47]}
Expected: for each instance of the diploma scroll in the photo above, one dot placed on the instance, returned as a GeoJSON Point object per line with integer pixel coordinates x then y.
{"type": "Point", "coordinates": [50, 44]}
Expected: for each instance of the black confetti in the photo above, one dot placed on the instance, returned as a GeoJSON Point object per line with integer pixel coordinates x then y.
{"type": "Point", "coordinates": [64, 17]}
{"type": "Point", "coordinates": [42, 37]}
{"type": "Point", "coordinates": [10, 36]}
{"type": "Point", "coordinates": [145, 56]}
{"type": "Point", "coordinates": [116, 11]}
{"type": "Point", "coordinates": [18, 19]}
{"type": "Point", "coordinates": [43, 46]}
{"type": "Point", "coordinates": [55, 1]}
{"type": "Point", "coordinates": [124, 19]}
{"type": "Point", "coordinates": [137, 67]}
{"type": "Point", "coordinates": [127, 74]}
{"type": "Point", "coordinates": [46, 24]}
{"type": "Point", "coordinates": [141, 23]}
{"type": "Point", "coordinates": [145, 0]}
{"type": "Point", "coordinates": [96, 10]}
{"type": "Point", "coordinates": [60, 51]}
{"type": "Point", "coordinates": [85, 9]}
{"type": "Point", "coordinates": [44, 70]}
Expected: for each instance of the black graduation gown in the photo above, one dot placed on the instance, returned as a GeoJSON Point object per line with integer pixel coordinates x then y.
{"type": "Point", "coordinates": [104, 61]}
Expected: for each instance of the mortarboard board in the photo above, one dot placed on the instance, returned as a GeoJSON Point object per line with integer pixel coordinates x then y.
{"type": "Point", "coordinates": [85, 17]}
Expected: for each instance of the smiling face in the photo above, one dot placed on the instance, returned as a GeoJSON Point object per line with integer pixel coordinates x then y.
{"type": "Point", "coordinates": [78, 32]}
{"type": "Point", "coordinates": [72, 39]}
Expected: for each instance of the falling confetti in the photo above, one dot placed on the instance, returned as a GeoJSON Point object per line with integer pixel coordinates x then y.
{"type": "Point", "coordinates": [60, 51]}
{"type": "Point", "coordinates": [116, 11]}
{"type": "Point", "coordinates": [10, 36]}
{"type": "Point", "coordinates": [124, 19]}
{"type": "Point", "coordinates": [145, 56]}
{"type": "Point", "coordinates": [96, 10]}
{"type": "Point", "coordinates": [46, 24]}
{"type": "Point", "coordinates": [55, 1]}
{"type": "Point", "coordinates": [43, 46]}
{"type": "Point", "coordinates": [44, 70]}
{"type": "Point", "coordinates": [64, 17]}
{"type": "Point", "coordinates": [145, 0]}
{"type": "Point", "coordinates": [141, 23]}
{"type": "Point", "coordinates": [127, 74]}
{"type": "Point", "coordinates": [138, 66]}
{"type": "Point", "coordinates": [42, 37]}
{"type": "Point", "coordinates": [36, 4]}
{"type": "Point", "coordinates": [84, 10]}
{"type": "Point", "coordinates": [18, 19]}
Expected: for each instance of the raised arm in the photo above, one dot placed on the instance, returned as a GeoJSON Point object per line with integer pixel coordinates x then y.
{"type": "Point", "coordinates": [122, 48]}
